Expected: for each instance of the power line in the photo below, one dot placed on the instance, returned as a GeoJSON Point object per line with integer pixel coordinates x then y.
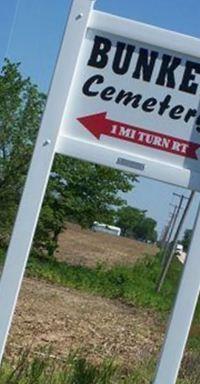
{"type": "Point", "coordinates": [12, 27]}
{"type": "Point", "coordinates": [170, 257]}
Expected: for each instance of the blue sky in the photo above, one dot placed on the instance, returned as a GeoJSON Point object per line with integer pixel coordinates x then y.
{"type": "Point", "coordinates": [31, 32]}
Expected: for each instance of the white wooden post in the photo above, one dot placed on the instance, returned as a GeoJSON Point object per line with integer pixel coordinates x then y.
{"type": "Point", "coordinates": [39, 171]}
{"type": "Point", "coordinates": [182, 315]}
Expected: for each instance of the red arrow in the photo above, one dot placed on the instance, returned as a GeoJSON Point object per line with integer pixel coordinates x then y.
{"type": "Point", "coordinates": [99, 125]}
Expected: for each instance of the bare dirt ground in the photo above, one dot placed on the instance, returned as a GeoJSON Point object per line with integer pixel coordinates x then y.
{"type": "Point", "coordinates": [85, 247]}
{"type": "Point", "coordinates": [69, 320]}
{"type": "Point", "coordinates": [50, 315]}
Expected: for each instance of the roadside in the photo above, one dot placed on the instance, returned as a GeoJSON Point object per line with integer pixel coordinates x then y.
{"type": "Point", "coordinates": [69, 320]}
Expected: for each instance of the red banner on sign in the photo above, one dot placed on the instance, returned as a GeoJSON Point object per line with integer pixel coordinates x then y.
{"type": "Point", "coordinates": [99, 125]}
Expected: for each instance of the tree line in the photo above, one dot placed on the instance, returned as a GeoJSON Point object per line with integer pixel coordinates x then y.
{"type": "Point", "coordinates": [77, 191]}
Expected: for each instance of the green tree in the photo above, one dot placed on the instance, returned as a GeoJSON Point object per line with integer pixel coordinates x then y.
{"type": "Point", "coordinates": [21, 106]}
{"type": "Point", "coordinates": [146, 230]}
{"type": "Point", "coordinates": [134, 223]}
{"type": "Point", "coordinates": [77, 191]}
{"type": "Point", "coordinates": [187, 239]}
{"type": "Point", "coordinates": [128, 219]}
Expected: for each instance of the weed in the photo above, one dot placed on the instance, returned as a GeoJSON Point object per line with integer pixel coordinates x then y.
{"type": "Point", "coordinates": [132, 284]}
{"type": "Point", "coordinates": [76, 369]}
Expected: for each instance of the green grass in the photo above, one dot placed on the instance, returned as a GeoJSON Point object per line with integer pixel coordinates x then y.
{"type": "Point", "coordinates": [77, 370]}
{"type": "Point", "coordinates": [135, 285]}
{"type": "Point", "coordinates": [132, 284]}
{"type": "Point", "coordinates": [43, 370]}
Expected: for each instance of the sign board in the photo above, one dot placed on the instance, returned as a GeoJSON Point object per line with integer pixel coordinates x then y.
{"type": "Point", "coordinates": [134, 101]}
{"type": "Point", "coordinates": [125, 95]}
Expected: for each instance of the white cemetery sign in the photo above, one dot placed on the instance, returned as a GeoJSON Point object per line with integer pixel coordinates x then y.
{"type": "Point", "coordinates": [134, 101]}
{"type": "Point", "coordinates": [125, 95]}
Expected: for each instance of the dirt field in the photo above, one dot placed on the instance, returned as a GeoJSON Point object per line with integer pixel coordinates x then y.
{"type": "Point", "coordinates": [69, 320]}
{"type": "Point", "coordinates": [85, 247]}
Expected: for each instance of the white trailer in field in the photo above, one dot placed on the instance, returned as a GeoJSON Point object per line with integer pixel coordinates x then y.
{"type": "Point", "coordinates": [179, 249]}
{"type": "Point", "coordinates": [105, 228]}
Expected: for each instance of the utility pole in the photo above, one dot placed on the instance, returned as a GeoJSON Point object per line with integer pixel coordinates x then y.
{"type": "Point", "coordinates": [164, 234]}
{"type": "Point", "coordinates": [169, 259]}
{"type": "Point", "coordinates": [165, 231]}
{"type": "Point", "coordinates": [172, 224]}
{"type": "Point", "coordinates": [177, 210]}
